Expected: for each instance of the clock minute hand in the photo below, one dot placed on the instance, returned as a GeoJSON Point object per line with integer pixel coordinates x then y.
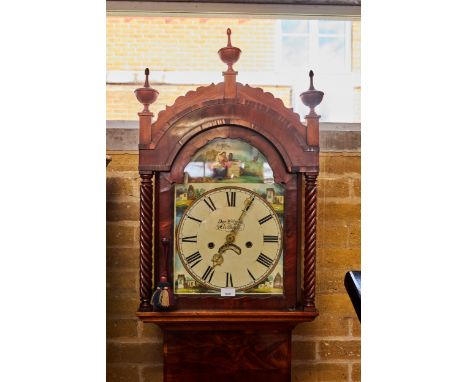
{"type": "Point", "coordinates": [232, 235]}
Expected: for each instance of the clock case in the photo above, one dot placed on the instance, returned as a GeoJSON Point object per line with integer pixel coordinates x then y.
{"type": "Point", "coordinates": [243, 323]}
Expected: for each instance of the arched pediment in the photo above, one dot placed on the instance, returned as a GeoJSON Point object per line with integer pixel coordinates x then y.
{"type": "Point", "coordinates": [251, 108]}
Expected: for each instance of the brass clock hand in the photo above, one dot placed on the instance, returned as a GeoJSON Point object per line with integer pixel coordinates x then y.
{"type": "Point", "coordinates": [232, 235]}
{"type": "Point", "coordinates": [232, 247]}
{"type": "Point", "coordinates": [217, 258]}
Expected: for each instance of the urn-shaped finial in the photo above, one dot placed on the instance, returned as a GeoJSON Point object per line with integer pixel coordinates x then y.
{"type": "Point", "coordinates": [146, 95]}
{"type": "Point", "coordinates": [229, 54]}
{"type": "Point", "coordinates": [312, 97]}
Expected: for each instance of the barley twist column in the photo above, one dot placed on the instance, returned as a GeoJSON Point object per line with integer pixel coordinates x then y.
{"type": "Point", "coordinates": [310, 240]}
{"type": "Point", "coordinates": [146, 241]}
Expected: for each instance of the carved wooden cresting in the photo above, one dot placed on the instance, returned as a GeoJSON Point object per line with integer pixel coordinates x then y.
{"type": "Point", "coordinates": [247, 337]}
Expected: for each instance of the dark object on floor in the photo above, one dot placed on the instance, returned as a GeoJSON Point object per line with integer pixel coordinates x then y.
{"type": "Point", "coordinates": [352, 282]}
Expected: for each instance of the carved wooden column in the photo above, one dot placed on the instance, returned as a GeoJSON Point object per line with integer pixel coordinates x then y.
{"type": "Point", "coordinates": [311, 98]}
{"type": "Point", "coordinates": [310, 240]}
{"type": "Point", "coordinates": [146, 95]}
{"type": "Point", "coordinates": [146, 241]}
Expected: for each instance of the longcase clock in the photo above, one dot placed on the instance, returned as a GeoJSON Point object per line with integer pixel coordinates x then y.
{"type": "Point", "coordinates": [227, 226]}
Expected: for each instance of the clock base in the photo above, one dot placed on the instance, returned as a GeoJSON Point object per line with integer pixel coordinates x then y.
{"type": "Point", "coordinates": [227, 345]}
{"type": "Point", "coordinates": [228, 355]}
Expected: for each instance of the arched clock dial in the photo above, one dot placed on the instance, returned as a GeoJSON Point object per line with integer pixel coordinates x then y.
{"type": "Point", "coordinates": [229, 237]}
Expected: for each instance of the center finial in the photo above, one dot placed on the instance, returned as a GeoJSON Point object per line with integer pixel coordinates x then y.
{"type": "Point", "coordinates": [229, 54]}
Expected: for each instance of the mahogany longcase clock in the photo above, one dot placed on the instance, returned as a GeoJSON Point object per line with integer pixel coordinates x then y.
{"type": "Point", "coordinates": [227, 222]}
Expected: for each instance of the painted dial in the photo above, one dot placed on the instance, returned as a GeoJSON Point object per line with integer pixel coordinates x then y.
{"type": "Point", "coordinates": [229, 237]}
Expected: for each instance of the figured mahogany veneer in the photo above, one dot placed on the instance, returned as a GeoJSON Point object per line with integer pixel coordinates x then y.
{"type": "Point", "coordinates": [247, 355]}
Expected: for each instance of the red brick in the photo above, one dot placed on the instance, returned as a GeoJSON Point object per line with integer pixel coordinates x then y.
{"type": "Point", "coordinates": [320, 372]}
{"type": "Point", "coordinates": [334, 350]}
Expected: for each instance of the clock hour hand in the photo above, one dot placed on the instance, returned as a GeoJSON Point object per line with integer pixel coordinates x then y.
{"type": "Point", "coordinates": [217, 258]}
{"type": "Point", "coordinates": [232, 247]}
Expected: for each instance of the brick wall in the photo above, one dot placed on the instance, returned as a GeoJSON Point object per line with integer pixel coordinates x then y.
{"type": "Point", "coordinates": [171, 44]}
{"type": "Point", "coordinates": [327, 349]}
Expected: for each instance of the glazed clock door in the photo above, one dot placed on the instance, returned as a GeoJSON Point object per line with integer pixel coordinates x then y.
{"type": "Point", "coordinates": [229, 217]}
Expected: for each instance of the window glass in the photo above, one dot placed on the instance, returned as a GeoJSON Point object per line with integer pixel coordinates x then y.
{"type": "Point", "coordinates": [295, 26]}
{"type": "Point", "coordinates": [295, 51]}
{"type": "Point", "coordinates": [331, 27]}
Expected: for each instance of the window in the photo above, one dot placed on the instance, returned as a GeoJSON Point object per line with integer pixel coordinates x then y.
{"type": "Point", "coordinates": [325, 46]}
{"type": "Point", "coordinates": [322, 44]}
